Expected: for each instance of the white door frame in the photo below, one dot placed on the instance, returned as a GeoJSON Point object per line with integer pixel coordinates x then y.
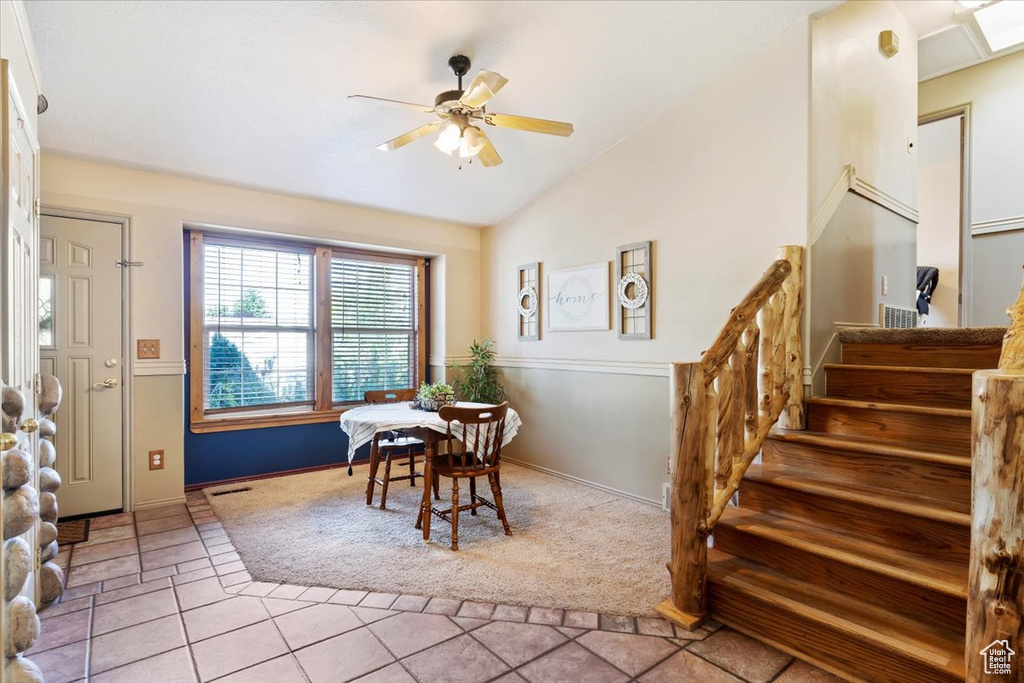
{"type": "Point", "coordinates": [966, 288]}
{"type": "Point", "coordinates": [124, 222]}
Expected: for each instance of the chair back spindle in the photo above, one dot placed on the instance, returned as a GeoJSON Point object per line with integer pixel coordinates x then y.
{"type": "Point", "coordinates": [474, 435]}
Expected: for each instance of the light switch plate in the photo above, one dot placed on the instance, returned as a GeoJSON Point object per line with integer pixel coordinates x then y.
{"type": "Point", "coordinates": [148, 349]}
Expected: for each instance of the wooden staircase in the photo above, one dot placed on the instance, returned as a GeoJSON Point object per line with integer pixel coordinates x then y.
{"type": "Point", "coordinates": [851, 542]}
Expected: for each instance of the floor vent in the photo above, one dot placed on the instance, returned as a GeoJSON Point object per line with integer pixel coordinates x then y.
{"type": "Point", "coordinates": [224, 493]}
{"type": "Point", "coordinates": [896, 317]}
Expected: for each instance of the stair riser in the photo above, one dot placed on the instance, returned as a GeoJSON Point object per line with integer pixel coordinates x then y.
{"type": "Point", "coordinates": [945, 482]}
{"type": "Point", "coordinates": [939, 433]}
{"type": "Point", "coordinates": [817, 641]}
{"type": "Point", "coordinates": [974, 357]}
{"type": "Point", "coordinates": [894, 529]}
{"type": "Point", "coordinates": [888, 592]}
{"type": "Point", "coordinates": [920, 388]}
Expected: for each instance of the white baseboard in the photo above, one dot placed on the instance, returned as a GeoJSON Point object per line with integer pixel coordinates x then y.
{"type": "Point", "coordinates": [585, 482]}
{"type": "Point", "coordinates": [160, 502]}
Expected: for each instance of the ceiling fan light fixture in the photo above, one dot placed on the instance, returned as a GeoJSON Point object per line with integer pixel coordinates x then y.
{"type": "Point", "coordinates": [448, 140]}
{"type": "Point", "coordinates": [473, 140]}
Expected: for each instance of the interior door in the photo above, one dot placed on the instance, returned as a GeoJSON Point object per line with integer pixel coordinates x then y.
{"type": "Point", "coordinates": [19, 345]}
{"type": "Point", "coordinates": [80, 284]}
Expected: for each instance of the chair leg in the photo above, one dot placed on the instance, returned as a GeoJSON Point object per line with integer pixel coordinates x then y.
{"type": "Point", "coordinates": [437, 495]}
{"type": "Point", "coordinates": [412, 467]}
{"type": "Point", "coordinates": [496, 490]}
{"type": "Point", "coordinates": [374, 463]}
{"type": "Point", "coordinates": [387, 480]}
{"type": "Point", "coordinates": [455, 513]}
{"type": "Point", "coordinates": [472, 494]}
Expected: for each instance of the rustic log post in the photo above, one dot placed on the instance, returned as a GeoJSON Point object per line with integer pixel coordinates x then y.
{"type": "Point", "coordinates": [793, 417]}
{"type": "Point", "coordinates": [778, 305]}
{"type": "Point", "coordinates": [1012, 357]}
{"type": "Point", "coordinates": [691, 423]}
{"type": "Point", "coordinates": [995, 597]}
{"type": "Point", "coordinates": [752, 341]}
{"type": "Point", "coordinates": [766, 375]}
{"type": "Point", "coordinates": [731, 399]}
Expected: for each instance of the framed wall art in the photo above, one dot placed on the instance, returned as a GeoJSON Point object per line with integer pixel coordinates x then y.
{"type": "Point", "coordinates": [634, 291]}
{"type": "Point", "coordinates": [529, 302]}
{"type": "Point", "coordinates": [577, 298]}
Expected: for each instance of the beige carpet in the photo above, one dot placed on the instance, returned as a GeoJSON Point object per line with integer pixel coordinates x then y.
{"type": "Point", "coordinates": [573, 547]}
{"type": "Point", "coordinates": [922, 335]}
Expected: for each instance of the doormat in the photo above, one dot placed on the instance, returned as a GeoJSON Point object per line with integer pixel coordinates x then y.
{"type": "Point", "coordinates": [76, 531]}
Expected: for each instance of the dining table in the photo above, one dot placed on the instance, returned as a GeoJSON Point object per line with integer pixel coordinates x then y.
{"type": "Point", "coordinates": [362, 423]}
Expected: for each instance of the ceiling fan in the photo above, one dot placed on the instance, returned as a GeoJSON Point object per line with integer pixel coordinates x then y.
{"type": "Point", "coordinates": [459, 111]}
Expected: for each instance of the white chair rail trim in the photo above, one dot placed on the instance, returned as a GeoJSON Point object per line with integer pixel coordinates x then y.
{"type": "Point", "coordinates": [609, 367]}
{"type": "Point", "coordinates": [158, 366]}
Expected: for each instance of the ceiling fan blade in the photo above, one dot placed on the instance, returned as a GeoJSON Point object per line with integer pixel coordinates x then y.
{"type": "Point", "coordinates": [398, 103]}
{"type": "Point", "coordinates": [402, 140]}
{"type": "Point", "coordinates": [528, 124]}
{"type": "Point", "coordinates": [488, 156]}
{"type": "Point", "coordinates": [483, 88]}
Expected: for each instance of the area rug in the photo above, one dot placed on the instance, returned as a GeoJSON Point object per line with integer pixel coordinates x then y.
{"type": "Point", "coordinates": [75, 531]}
{"type": "Point", "coordinates": [573, 546]}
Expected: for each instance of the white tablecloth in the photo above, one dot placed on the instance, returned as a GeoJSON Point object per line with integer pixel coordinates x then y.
{"type": "Point", "coordinates": [360, 424]}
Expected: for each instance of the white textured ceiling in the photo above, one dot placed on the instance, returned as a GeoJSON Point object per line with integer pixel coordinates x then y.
{"type": "Point", "coordinates": [254, 93]}
{"type": "Point", "coordinates": [948, 39]}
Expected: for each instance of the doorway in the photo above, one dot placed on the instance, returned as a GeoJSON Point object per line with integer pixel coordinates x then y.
{"type": "Point", "coordinates": [82, 344]}
{"type": "Point", "coordinates": [940, 233]}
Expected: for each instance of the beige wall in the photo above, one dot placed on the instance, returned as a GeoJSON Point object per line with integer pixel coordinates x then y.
{"type": "Point", "coordinates": [995, 92]}
{"type": "Point", "coordinates": [159, 206]}
{"type": "Point", "coordinates": [863, 114]}
{"type": "Point", "coordinates": [718, 183]}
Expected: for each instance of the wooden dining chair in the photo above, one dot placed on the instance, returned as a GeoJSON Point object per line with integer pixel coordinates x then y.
{"type": "Point", "coordinates": [391, 446]}
{"type": "Point", "coordinates": [473, 439]}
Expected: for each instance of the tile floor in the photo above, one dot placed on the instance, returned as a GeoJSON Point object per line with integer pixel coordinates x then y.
{"type": "Point", "coordinates": [161, 596]}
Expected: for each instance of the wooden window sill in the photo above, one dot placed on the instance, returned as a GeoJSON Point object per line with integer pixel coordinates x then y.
{"type": "Point", "coordinates": [231, 424]}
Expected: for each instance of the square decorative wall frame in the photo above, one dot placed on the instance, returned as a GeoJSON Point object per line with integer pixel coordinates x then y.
{"type": "Point", "coordinates": [634, 291]}
{"type": "Point", "coordinates": [528, 313]}
{"type": "Point", "coordinates": [577, 298]}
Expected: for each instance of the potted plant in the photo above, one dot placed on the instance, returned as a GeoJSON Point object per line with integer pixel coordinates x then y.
{"type": "Point", "coordinates": [434, 396]}
{"type": "Point", "coordinates": [477, 381]}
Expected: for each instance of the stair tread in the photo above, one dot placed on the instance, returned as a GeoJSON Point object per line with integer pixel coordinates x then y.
{"type": "Point", "coordinates": [944, 577]}
{"type": "Point", "coordinates": [888, 406]}
{"type": "Point", "coordinates": [906, 503]}
{"type": "Point", "coordinates": [899, 368]}
{"type": "Point", "coordinates": [864, 444]}
{"type": "Point", "coordinates": [890, 631]}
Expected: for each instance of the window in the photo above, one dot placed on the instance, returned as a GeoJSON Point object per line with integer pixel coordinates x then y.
{"type": "Point", "coordinates": [289, 333]}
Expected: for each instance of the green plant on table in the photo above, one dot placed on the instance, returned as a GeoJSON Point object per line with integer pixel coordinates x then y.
{"type": "Point", "coordinates": [435, 391]}
{"type": "Point", "coordinates": [477, 381]}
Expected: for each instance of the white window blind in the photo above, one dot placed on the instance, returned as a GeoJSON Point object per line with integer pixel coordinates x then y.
{"type": "Point", "coordinates": [258, 327]}
{"type": "Point", "coordinates": [373, 324]}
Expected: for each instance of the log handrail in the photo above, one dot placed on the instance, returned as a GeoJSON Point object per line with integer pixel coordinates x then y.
{"type": "Point", "coordinates": [995, 593]}
{"type": "Point", "coordinates": [723, 407]}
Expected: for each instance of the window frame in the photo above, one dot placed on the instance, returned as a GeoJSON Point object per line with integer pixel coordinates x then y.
{"type": "Point", "coordinates": [323, 408]}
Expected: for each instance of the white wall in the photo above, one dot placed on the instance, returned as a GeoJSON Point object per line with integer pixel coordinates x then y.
{"type": "Point", "coordinates": [938, 233]}
{"type": "Point", "coordinates": [718, 183]}
{"type": "Point", "coordinates": [160, 205]}
{"type": "Point", "coordinates": [995, 92]}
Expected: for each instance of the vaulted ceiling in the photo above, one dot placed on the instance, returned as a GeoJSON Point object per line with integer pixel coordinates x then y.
{"type": "Point", "coordinates": [254, 93]}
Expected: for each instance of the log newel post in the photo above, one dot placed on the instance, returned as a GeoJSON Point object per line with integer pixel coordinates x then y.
{"type": "Point", "coordinates": [691, 421]}
{"type": "Point", "coordinates": [995, 597]}
{"type": "Point", "coordinates": [793, 416]}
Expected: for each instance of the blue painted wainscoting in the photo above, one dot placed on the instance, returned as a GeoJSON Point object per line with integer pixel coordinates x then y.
{"type": "Point", "coordinates": [220, 456]}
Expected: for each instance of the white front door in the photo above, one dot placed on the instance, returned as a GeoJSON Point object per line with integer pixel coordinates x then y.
{"type": "Point", "coordinates": [80, 344]}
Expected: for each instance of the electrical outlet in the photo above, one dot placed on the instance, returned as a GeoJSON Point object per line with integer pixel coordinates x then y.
{"type": "Point", "coordinates": [885, 285]}
{"type": "Point", "coordinates": [666, 495]}
{"type": "Point", "coordinates": [148, 348]}
{"type": "Point", "coordinates": [156, 460]}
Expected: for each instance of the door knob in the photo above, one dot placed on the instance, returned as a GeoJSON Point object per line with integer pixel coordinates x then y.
{"type": "Point", "coordinates": [30, 425]}
{"type": "Point", "coordinates": [109, 383]}
{"type": "Point", "coordinates": [8, 441]}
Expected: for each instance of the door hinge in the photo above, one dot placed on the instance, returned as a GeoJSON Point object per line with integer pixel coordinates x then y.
{"type": "Point", "coordinates": [37, 383]}
{"type": "Point", "coordinates": [127, 264]}
{"type": "Point", "coordinates": [37, 207]}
